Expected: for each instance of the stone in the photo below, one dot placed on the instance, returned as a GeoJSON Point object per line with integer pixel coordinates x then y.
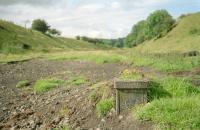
{"type": "Point", "coordinates": [56, 120]}
{"type": "Point", "coordinates": [3, 87]}
{"type": "Point", "coordinates": [4, 108]}
{"type": "Point", "coordinates": [103, 120]}
{"type": "Point", "coordinates": [120, 117]}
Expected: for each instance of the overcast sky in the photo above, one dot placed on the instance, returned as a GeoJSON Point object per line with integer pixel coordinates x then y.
{"type": "Point", "coordinates": [94, 18]}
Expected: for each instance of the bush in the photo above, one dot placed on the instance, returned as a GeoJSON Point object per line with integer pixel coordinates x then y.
{"type": "Point", "coordinates": [104, 106]}
{"type": "Point", "coordinates": [54, 32]}
{"type": "Point", "coordinates": [40, 25]}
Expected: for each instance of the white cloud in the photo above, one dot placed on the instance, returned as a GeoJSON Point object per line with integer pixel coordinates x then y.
{"type": "Point", "coordinates": [102, 18]}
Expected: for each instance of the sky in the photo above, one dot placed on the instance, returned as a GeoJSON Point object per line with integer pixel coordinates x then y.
{"type": "Point", "coordinates": [93, 18]}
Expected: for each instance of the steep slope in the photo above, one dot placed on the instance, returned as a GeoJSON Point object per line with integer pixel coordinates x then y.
{"type": "Point", "coordinates": [16, 39]}
{"type": "Point", "coordinates": [182, 38]}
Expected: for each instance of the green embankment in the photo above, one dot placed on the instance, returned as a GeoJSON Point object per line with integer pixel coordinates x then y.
{"type": "Point", "coordinates": [185, 36]}
{"type": "Point", "coordinates": [16, 39]}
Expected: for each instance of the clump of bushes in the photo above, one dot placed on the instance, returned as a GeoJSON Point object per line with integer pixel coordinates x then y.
{"type": "Point", "coordinates": [158, 24]}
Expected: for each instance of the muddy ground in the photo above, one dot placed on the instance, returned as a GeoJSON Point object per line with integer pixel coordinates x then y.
{"type": "Point", "coordinates": [24, 109]}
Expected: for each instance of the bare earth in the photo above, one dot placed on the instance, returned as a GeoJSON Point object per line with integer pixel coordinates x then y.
{"type": "Point", "coordinates": [23, 109]}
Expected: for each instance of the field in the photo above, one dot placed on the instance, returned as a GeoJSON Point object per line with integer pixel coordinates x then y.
{"type": "Point", "coordinates": [61, 83]}
{"type": "Point", "coordinates": [69, 74]}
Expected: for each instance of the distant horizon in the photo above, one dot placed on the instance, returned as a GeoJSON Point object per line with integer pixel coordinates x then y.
{"type": "Point", "coordinates": [109, 19]}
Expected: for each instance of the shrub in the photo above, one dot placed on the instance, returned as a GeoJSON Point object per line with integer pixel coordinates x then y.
{"type": "Point", "coordinates": [40, 25]}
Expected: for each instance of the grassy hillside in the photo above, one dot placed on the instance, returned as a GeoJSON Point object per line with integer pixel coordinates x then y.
{"type": "Point", "coordinates": [184, 37]}
{"type": "Point", "coordinates": [16, 39]}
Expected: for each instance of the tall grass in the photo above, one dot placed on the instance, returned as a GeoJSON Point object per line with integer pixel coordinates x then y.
{"type": "Point", "coordinates": [174, 104]}
{"type": "Point", "coordinates": [167, 63]}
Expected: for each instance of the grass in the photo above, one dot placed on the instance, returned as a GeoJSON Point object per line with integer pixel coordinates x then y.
{"type": "Point", "coordinates": [15, 39]}
{"type": "Point", "coordinates": [102, 97]}
{"type": "Point", "coordinates": [77, 80]}
{"type": "Point", "coordinates": [167, 63]}
{"type": "Point", "coordinates": [173, 113]}
{"type": "Point", "coordinates": [44, 85]}
{"type": "Point", "coordinates": [131, 74]}
{"type": "Point", "coordinates": [100, 91]}
{"type": "Point", "coordinates": [23, 84]}
{"type": "Point", "coordinates": [183, 38]}
{"type": "Point", "coordinates": [100, 57]}
{"type": "Point", "coordinates": [174, 103]}
{"type": "Point", "coordinates": [104, 106]}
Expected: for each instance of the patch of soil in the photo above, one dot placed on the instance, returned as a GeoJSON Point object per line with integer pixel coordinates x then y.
{"type": "Point", "coordinates": [23, 109]}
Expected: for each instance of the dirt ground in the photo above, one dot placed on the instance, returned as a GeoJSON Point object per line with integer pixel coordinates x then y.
{"type": "Point", "coordinates": [24, 109]}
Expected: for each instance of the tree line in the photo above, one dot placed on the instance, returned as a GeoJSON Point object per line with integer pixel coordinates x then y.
{"type": "Point", "coordinates": [42, 26]}
{"type": "Point", "coordinates": [119, 42]}
{"type": "Point", "coordinates": [157, 24]}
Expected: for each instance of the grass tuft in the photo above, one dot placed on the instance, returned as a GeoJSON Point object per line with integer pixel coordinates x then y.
{"type": "Point", "coordinates": [44, 85]}
{"type": "Point", "coordinates": [77, 80]}
{"type": "Point", "coordinates": [22, 84]}
{"type": "Point", "coordinates": [131, 74]}
{"type": "Point", "coordinates": [104, 106]}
